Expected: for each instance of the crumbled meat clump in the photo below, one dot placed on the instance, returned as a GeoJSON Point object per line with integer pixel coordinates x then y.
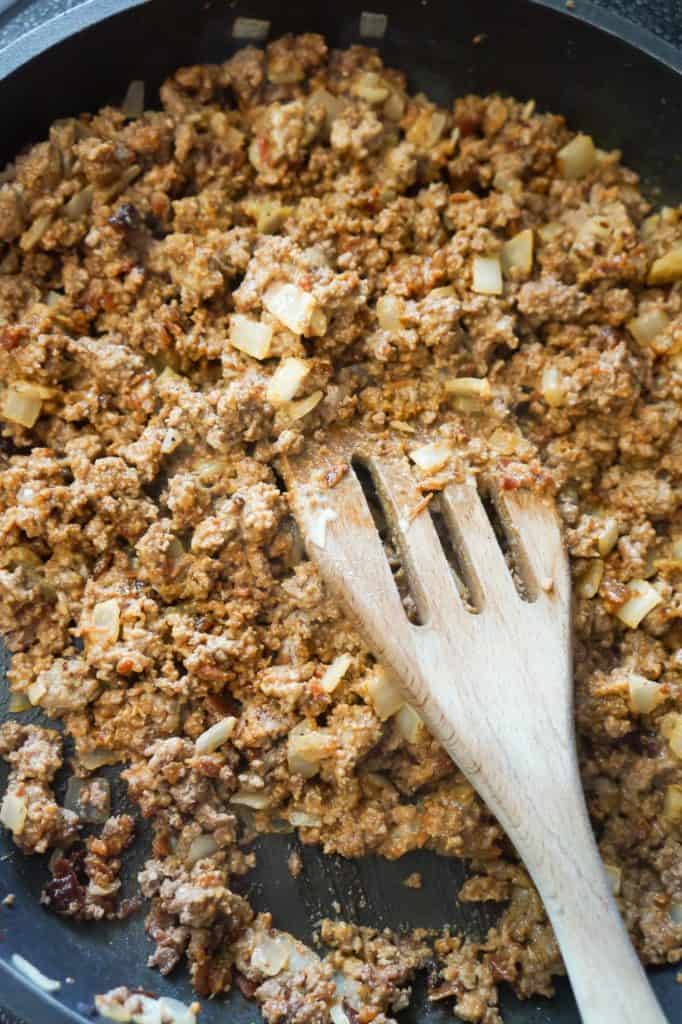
{"type": "Point", "coordinates": [295, 241]}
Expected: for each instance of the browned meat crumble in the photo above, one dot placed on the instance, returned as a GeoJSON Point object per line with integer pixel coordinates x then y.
{"type": "Point", "coordinates": [295, 241]}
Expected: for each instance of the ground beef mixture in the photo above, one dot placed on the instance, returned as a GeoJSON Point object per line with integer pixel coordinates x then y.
{"type": "Point", "coordinates": [186, 295]}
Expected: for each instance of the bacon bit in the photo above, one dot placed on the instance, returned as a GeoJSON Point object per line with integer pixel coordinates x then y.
{"type": "Point", "coordinates": [419, 507]}
{"type": "Point", "coordinates": [467, 125]}
{"type": "Point", "coordinates": [510, 483]}
{"type": "Point", "coordinates": [335, 474]}
{"type": "Point", "coordinates": [246, 987]}
{"type": "Point", "coordinates": [161, 846]}
{"type": "Point", "coordinates": [461, 197]}
{"type": "Point", "coordinates": [11, 336]}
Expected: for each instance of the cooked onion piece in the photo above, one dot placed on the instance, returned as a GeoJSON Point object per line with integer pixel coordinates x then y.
{"type": "Point", "coordinates": [250, 336]}
{"type": "Point", "coordinates": [643, 599]}
{"type": "Point", "coordinates": [487, 275]}
{"type": "Point", "coordinates": [577, 157]}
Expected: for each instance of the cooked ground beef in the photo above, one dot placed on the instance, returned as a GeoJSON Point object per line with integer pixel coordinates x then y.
{"type": "Point", "coordinates": [295, 215]}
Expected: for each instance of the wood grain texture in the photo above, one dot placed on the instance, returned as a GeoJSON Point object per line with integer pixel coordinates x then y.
{"type": "Point", "coordinates": [495, 688]}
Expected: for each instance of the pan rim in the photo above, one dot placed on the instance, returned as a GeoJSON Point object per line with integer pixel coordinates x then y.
{"type": "Point", "coordinates": [19, 996]}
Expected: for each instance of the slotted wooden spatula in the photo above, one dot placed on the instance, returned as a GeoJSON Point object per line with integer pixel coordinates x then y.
{"type": "Point", "coordinates": [493, 685]}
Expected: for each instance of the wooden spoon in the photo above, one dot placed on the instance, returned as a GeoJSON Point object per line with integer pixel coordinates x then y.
{"type": "Point", "coordinates": [494, 686]}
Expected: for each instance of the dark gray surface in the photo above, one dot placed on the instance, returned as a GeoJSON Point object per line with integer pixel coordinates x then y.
{"type": "Point", "coordinates": [663, 17]}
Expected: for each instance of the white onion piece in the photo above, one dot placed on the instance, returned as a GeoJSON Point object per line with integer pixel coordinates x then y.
{"type": "Point", "coordinates": [271, 955]}
{"type": "Point", "coordinates": [215, 736]}
{"type": "Point", "coordinates": [517, 253]}
{"type": "Point", "coordinates": [469, 387]}
{"type": "Point", "coordinates": [301, 819]}
{"type": "Point", "coordinates": [608, 536]}
{"type": "Point", "coordinates": [672, 804]}
{"type": "Point", "coordinates": [105, 622]}
{"type": "Point", "coordinates": [589, 582]}
{"type": "Point", "coordinates": [286, 380]}
{"type": "Point", "coordinates": [671, 728]}
{"type": "Point", "coordinates": [297, 410]}
{"type": "Point", "coordinates": [133, 101]}
{"type": "Point", "coordinates": [647, 326]}
{"type": "Point", "coordinates": [371, 87]}
{"type": "Point", "coordinates": [337, 1014]}
{"type": "Point", "coordinates": [258, 801]}
{"type": "Point", "coordinates": [94, 759]}
{"type": "Point", "coordinates": [250, 336]}
{"type": "Point", "coordinates": [643, 599]}
{"type": "Point", "coordinates": [79, 203]}
{"type": "Point", "coordinates": [390, 309]}
{"type": "Point", "coordinates": [335, 672]}
{"type": "Point", "coordinates": [200, 847]}
{"type": "Point", "coordinates": [306, 747]}
{"type": "Point", "coordinates": [577, 157]}
{"type": "Point", "coordinates": [431, 457]}
{"type": "Point", "coordinates": [18, 702]}
{"type": "Point", "coordinates": [409, 723]}
{"type": "Point", "coordinates": [645, 694]}
{"type": "Point", "coordinates": [19, 407]}
{"type": "Point", "coordinates": [13, 812]}
{"type": "Point", "coordinates": [487, 275]}
{"type": "Point", "coordinates": [384, 693]}
{"type": "Point", "coordinates": [552, 387]}
{"type": "Point", "coordinates": [667, 269]}
{"type": "Point", "coordinates": [34, 975]}
{"type": "Point", "coordinates": [291, 305]}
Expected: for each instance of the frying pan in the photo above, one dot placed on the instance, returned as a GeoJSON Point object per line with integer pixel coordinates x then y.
{"type": "Point", "coordinates": [610, 79]}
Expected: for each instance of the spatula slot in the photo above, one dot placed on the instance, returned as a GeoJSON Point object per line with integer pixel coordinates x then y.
{"type": "Point", "coordinates": [389, 539]}
{"type": "Point", "coordinates": [462, 571]}
{"type": "Point", "coordinates": [510, 546]}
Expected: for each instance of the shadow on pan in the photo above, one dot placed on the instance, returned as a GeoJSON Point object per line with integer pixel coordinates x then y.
{"type": "Point", "coordinates": [615, 81]}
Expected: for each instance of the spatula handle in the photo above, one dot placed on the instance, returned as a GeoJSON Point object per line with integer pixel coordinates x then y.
{"type": "Point", "coordinates": [608, 981]}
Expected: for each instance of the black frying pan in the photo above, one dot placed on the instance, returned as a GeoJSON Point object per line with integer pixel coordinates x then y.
{"type": "Point", "coordinates": [608, 78]}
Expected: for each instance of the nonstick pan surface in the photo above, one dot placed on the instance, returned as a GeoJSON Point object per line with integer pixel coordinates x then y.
{"type": "Point", "coordinates": [608, 78]}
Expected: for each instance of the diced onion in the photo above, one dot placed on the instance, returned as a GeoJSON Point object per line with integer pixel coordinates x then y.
{"type": "Point", "coordinates": [469, 387]}
{"type": "Point", "coordinates": [427, 128]}
{"type": "Point", "coordinates": [97, 758]}
{"type": "Point", "coordinates": [645, 694]}
{"type": "Point", "coordinates": [286, 380]}
{"type": "Point", "coordinates": [105, 622]}
{"type": "Point", "coordinates": [390, 309]}
{"type": "Point", "coordinates": [671, 729]}
{"type": "Point", "coordinates": [133, 101]}
{"type": "Point", "coordinates": [332, 104]}
{"type": "Point", "coordinates": [34, 975]}
{"type": "Point", "coordinates": [215, 736]}
{"type": "Point", "coordinates": [431, 457]}
{"type": "Point", "coordinates": [487, 275]}
{"type": "Point", "coordinates": [590, 581]}
{"type": "Point", "coordinates": [79, 203]}
{"type": "Point", "coordinates": [35, 232]}
{"type": "Point", "coordinates": [13, 813]}
{"type": "Point", "coordinates": [18, 702]}
{"type": "Point", "coordinates": [517, 253]}
{"type": "Point", "coordinates": [271, 955]}
{"type": "Point", "coordinates": [644, 598]}
{"type": "Point", "coordinates": [409, 723]}
{"type": "Point", "coordinates": [250, 336]}
{"type": "Point", "coordinates": [552, 387]}
{"type": "Point", "coordinates": [667, 269]}
{"type": "Point", "coordinates": [301, 819]}
{"type": "Point", "coordinates": [608, 536]}
{"type": "Point", "coordinates": [371, 87]}
{"type": "Point", "coordinates": [577, 157]}
{"type": "Point", "coordinates": [646, 327]}
{"type": "Point", "coordinates": [202, 846]}
{"type": "Point", "coordinates": [297, 410]}
{"type": "Point", "coordinates": [305, 749]}
{"type": "Point", "coordinates": [672, 804]}
{"type": "Point", "coordinates": [335, 672]}
{"type": "Point", "coordinates": [290, 305]}
{"type": "Point", "coordinates": [20, 407]}
{"type": "Point", "coordinates": [384, 693]}
{"type": "Point", "coordinates": [248, 798]}
{"type": "Point", "coordinates": [615, 877]}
